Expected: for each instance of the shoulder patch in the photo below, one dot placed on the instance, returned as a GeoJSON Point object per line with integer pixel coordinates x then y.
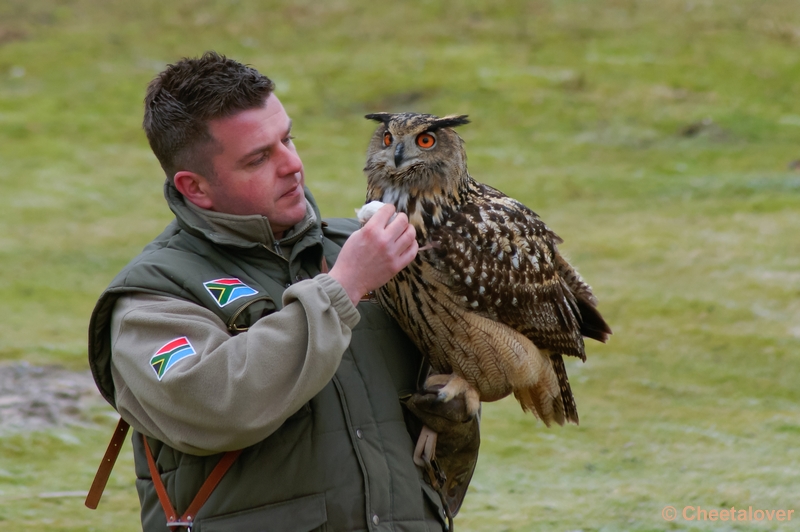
{"type": "Point", "coordinates": [169, 354]}
{"type": "Point", "coordinates": [227, 290]}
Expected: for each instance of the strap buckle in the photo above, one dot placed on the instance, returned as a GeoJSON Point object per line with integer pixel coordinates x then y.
{"type": "Point", "coordinates": [187, 524]}
{"type": "Point", "coordinates": [173, 521]}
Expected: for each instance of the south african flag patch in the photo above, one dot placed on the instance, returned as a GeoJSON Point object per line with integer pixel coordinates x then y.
{"type": "Point", "coordinates": [169, 354]}
{"type": "Point", "coordinates": [227, 290]}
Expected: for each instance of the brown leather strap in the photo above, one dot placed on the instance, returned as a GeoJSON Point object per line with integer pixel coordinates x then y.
{"type": "Point", "coordinates": [161, 491]}
{"type": "Point", "coordinates": [211, 482]}
{"type": "Point", "coordinates": [109, 459]}
{"type": "Point", "coordinates": [202, 496]}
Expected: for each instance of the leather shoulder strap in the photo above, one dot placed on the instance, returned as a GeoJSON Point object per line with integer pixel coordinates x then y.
{"type": "Point", "coordinates": [202, 496]}
{"type": "Point", "coordinates": [109, 459]}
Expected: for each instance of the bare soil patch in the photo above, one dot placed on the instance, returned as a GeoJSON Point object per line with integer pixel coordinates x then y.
{"type": "Point", "coordinates": [40, 397]}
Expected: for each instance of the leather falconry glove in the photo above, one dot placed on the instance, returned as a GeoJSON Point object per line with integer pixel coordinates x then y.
{"type": "Point", "coordinates": [456, 443]}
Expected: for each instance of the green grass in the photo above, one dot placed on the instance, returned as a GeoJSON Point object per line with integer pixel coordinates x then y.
{"type": "Point", "coordinates": [580, 109]}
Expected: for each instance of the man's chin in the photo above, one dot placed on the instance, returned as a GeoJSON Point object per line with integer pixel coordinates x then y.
{"type": "Point", "coordinates": [301, 205]}
{"type": "Point", "coordinates": [297, 211]}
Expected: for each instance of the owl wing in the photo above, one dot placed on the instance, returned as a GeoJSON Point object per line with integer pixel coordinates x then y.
{"type": "Point", "coordinates": [501, 262]}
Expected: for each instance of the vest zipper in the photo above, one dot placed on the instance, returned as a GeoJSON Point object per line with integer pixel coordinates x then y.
{"type": "Point", "coordinates": [232, 320]}
{"type": "Point", "coordinates": [296, 238]}
{"type": "Point", "coordinates": [276, 251]}
{"type": "Point", "coordinates": [277, 246]}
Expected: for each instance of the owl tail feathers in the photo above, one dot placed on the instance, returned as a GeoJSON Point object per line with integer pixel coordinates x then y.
{"type": "Point", "coordinates": [550, 399]}
{"type": "Point", "coordinates": [541, 404]}
{"type": "Point", "coordinates": [592, 323]}
{"type": "Point", "coordinates": [567, 399]}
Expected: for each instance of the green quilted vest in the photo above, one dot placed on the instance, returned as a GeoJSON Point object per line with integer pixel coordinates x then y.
{"type": "Point", "coordinates": [341, 463]}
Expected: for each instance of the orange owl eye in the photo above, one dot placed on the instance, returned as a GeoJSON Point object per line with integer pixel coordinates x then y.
{"type": "Point", "coordinates": [426, 140]}
{"type": "Point", "coordinates": [387, 139]}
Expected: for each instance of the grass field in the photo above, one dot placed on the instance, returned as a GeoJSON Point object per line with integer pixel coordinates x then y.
{"type": "Point", "coordinates": [656, 137]}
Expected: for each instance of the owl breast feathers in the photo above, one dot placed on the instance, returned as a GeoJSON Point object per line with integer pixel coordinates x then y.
{"type": "Point", "coordinates": [489, 298]}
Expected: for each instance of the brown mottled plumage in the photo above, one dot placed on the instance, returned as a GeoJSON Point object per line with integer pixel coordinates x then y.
{"type": "Point", "coordinates": [489, 299]}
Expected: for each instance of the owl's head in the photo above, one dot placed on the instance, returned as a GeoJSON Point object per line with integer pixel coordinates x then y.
{"type": "Point", "coordinates": [414, 154]}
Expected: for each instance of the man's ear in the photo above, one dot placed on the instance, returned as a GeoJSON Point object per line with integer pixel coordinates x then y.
{"type": "Point", "coordinates": [194, 188]}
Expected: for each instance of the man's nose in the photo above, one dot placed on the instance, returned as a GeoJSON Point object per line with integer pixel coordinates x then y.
{"type": "Point", "coordinates": [290, 162]}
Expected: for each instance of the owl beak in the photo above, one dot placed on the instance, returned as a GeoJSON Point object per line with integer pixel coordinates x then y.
{"type": "Point", "coordinates": [398, 155]}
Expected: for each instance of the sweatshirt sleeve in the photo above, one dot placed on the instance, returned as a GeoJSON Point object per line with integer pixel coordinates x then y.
{"type": "Point", "coordinates": [182, 379]}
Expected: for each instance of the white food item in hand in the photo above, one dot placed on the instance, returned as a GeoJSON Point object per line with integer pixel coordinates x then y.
{"type": "Point", "coordinates": [368, 211]}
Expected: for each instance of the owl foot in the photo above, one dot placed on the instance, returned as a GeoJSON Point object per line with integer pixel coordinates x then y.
{"type": "Point", "coordinates": [451, 386]}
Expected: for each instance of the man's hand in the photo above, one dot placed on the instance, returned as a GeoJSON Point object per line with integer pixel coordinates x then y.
{"type": "Point", "coordinates": [375, 253]}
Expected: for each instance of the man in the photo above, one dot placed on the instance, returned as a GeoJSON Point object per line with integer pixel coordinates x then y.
{"type": "Point", "coordinates": [227, 334]}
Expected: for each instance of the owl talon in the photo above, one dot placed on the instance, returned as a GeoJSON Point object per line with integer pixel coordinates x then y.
{"type": "Point", "coordinates": [452, 386]}
{"type": "Point", "coordinates": [431, 245]}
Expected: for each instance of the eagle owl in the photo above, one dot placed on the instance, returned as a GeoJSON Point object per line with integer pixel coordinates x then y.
{"type": "Point", "coordinates": [488, 298]}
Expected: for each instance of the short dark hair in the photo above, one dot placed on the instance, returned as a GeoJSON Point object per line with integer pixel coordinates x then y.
{"type": "Point", "coordinates": [183, 98]}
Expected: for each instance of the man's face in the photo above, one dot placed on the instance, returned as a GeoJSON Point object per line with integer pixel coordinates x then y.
{"type": "Point", "coordinates": [257, 167]}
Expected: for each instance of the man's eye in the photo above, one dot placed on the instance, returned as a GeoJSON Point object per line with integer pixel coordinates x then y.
{"type": "Point", "coordinates": [258, 160]}
{"type": "Point", "coordinates": [288, 140]}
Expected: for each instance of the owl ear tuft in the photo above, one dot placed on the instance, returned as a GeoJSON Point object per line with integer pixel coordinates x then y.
{"type": "Point", "coordinates": [379, 117]}
{"type": "Point", "coordinates": [451, 121]}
